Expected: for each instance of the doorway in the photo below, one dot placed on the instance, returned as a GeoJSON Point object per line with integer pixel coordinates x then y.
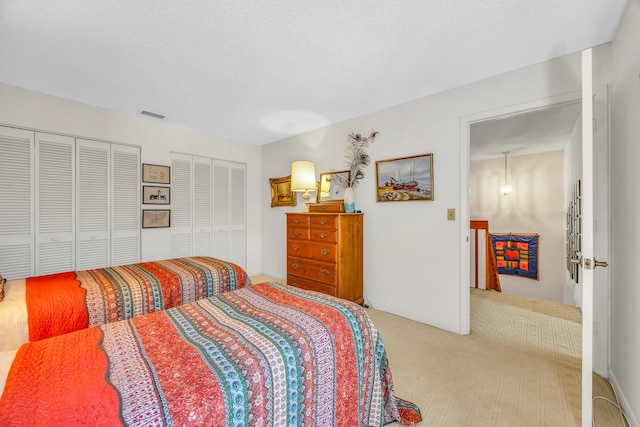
{"type": "Point", "coordinates": [531, 151]}
{"type": "Point", "coordinates": [601, 138]}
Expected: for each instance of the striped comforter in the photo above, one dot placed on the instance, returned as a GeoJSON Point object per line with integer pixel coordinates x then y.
{"type": "Point", "coordinates": [266, 355]}
{"type": "Point", "coordinates": [65, 302]}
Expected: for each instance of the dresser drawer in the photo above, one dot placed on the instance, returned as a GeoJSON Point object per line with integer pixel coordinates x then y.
{"type": "Point", "coordinates": [295, 220]}
{"type": "Point", "coordinates": [313, 270]}
{"type": "Point", "coordinates": [327, 222]}
{"type": "Point", "coordinates": [309, 285]}
{"type": "Point", "coordinates": [325, 236]}
{"type": "Point", "coordinates": [298, 233]}
{"type": "Point", "coordinates": [326, 252]}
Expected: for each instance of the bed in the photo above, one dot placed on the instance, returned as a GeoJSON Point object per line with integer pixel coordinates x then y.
{"type": "Point", "coordinates": [265, 355]}
{"type": "Point", "coordinates": [44, 306]}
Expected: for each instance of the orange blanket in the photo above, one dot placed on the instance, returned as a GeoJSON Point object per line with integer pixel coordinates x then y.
{"type": "Point", "coordinates": [61, 291]}
{"type": "Point", "coordinates": [79, 395]}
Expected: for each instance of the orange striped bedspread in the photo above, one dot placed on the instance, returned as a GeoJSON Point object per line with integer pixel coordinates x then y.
{"type": "Point", "coordinates": [265, 355]}
{"type": "Point", "coordinates": [66, 302]}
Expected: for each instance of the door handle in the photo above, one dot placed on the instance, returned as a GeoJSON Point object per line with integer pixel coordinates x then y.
{"type": "Point", "coordinates": [587, 263]}
{"type": "Point", "coordinates": [576, 261]}
{"type": "Point", "coordinates": [597, 263]}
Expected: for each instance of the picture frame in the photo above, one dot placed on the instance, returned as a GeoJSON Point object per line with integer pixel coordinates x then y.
{"type": "Point", "coordinates": [405, 179]}
{"type": "Point", "coordinates": [331, 186]}
{"type": "Point", "coordinates": [156, 195]}
{"type": "Point", "coordinates": [156, 174]}
{"type": "Point", "coordinates": [156, 218]}
{"type": "Point", "coordinates": [281, 194]}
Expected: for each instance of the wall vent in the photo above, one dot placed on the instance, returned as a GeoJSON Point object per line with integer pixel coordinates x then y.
{"type": "Point", "coordinates": [154, 115]}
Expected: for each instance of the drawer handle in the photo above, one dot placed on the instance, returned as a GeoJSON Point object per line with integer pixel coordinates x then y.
{"type": "Point", "coordinates": [322, 236]}
{"type": "Point", "coordinates": [324, 272]}
{"type": "Point", "coordinates": [325, 251]}
{"type": "Point", "coordinates": [295, 266]}
{"type": "Point", "coordinates": [297, 221]}
{"type": "Point", "coordinates": [322, 222]}
{"type": "Point", "coordinates": [295, 247]}
{"type": "Point", "coordinates": [297, 233]}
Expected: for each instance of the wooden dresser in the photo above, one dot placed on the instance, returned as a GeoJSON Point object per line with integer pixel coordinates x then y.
{"type": "Point", "coordinates": [324, 253]}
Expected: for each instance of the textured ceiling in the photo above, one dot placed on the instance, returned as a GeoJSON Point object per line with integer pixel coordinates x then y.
{"type": "Point", "coordinates": [538, 131]}
{"type": "Point", "coordinates": [259, 71]}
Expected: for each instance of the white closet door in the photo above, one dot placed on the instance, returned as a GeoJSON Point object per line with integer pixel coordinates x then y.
{"type": "Point", "coordinates": [16, 201]}
{"type": "Point", "coordinates": [181, 205]}
{"type": "Point", "coordinates": [237, 213]}
{"type": "Point", "coordinates": [201, 206]}
{"type": "Point", "coordinates": [125, 204]}
{"type": "Point", "coordinates": [93, 183]}
{"type": "Point", "coordinates": [55, 201]}
{"type": "Point", "coordinates": [221, 223]}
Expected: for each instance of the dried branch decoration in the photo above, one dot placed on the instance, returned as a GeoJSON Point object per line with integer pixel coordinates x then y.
{"type": "Point", "coordinates": [357, 156]}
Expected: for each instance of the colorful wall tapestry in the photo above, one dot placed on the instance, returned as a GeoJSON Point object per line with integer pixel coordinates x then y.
{"type": "Point", "coordinates": [516, 254]}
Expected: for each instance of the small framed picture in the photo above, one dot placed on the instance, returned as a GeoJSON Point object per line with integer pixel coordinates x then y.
{"type": "Point", "coordinates": [405, 179]}
{"type": "Point", "coordinates": [156, 174]}
{"type": "Point", "coordinates": [156, 218]}
{"type": "Point", "coordinates": [154, 195]}
{"type": "Point", "coordinates": [281, 194]}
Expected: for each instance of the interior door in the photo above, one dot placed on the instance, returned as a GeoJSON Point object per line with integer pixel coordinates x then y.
{"type": "Point", "coordinates": [591, 217]}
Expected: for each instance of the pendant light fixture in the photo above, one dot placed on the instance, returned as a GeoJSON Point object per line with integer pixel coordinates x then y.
{"type": "Point", "coordinates": [505, 189]}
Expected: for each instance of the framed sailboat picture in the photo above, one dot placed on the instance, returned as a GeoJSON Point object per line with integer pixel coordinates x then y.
{"type": "Point", "coordinates": [405, 179]}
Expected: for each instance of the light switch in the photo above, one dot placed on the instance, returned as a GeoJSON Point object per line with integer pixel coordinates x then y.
{"type": "Point", "coordinates": [451, 214]}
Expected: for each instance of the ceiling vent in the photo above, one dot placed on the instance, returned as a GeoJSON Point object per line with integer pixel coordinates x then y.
{"type": "Point", "coordinates": [154, 115]}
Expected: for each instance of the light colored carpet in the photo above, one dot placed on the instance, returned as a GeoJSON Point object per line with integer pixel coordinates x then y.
{"type": "Point", "coordinates": [520, 366]}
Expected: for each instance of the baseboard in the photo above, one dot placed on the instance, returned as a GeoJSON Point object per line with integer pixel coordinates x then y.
{"type": "Point", "coordinates": [624, 403]}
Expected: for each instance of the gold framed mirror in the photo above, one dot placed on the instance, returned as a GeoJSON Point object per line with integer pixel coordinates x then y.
{"type": "Point", "coordinates": [331, 186]}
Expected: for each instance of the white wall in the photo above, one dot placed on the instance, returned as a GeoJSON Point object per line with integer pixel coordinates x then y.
{"type": "Point", "coordinates": [28, 109]}
{"type": "Point", "coordinates": [535, 206]}
{"type": "Point", "coordinates": [625, 213]}
{"type": "Point", "coordinates": [412, 253]}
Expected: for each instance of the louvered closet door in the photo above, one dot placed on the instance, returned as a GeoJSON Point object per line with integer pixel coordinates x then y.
{"type": "Point", "coordinates": [229, 205]}
{"type": "Point", "coordinates": [201, 206]}
{"type": "Point", "coordinates": [93, 183]}
{"type": "Point", "coordinates": [181, 205]}
{"type": "Point", "coordinates": [16, 203]}
{"type": "Point", "coordinates": [237, 239]}
{"type": "Point", "coordinates": [221, 210]}
{"type": "Point", "coordinates": [55, 201]}
{"type": "Point", "coordinates": [125, 203]}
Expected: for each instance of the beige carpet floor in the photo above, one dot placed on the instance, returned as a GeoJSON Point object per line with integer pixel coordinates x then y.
{"type": "Point", "coordinates": [520, 366]}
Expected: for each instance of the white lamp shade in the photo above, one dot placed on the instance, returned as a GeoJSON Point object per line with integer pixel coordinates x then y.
{"type": "Point", "coordinates": [303, 176]}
